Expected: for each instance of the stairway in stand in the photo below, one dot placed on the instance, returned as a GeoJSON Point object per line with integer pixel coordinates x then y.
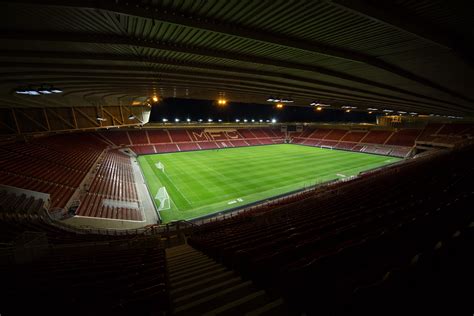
{"type": "Point", "coordinates": [201, 286]}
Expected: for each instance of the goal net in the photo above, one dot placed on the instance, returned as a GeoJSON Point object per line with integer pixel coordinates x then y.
{"type": "Point", "coordinates": [160, 166]}
{"type": "Point", "coordinates": [327, 147]}
{"type": "Point", "coordinates": [164, 198]}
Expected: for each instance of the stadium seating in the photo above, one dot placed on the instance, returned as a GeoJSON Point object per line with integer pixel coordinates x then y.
{"type": "Point", "coordinates": [352, 136]}
{"type": "Point", "coordinates": [16, 203]}
{"type": "Point", "coordinates": [138, 137]}
{"type": "Point", "coordinates": [179, 135]}
{"type": "Point", "coordinates": [363, 141]}
{"type": "Point", "coordinates": [404, 137]}
{"type": "Point", "coordinates": [335, 134]}
{"type": "Point", "coordinates": [55, 165]}
{"type": "Point", "coordinates": [114, 279]}
{"type": "Point", "coordinates": [336, 243]}
{"type": "Point", "coordinates": [117, 138]}
{"type": "Point", "coordinates": [172, 140]}
{"type": "Point", "coordinates": [166, 148]}
{"type": "Point", "coordinates": [144, 149]}
{"type": "Point", "coordinates": [114, 181]}
{"type": "Point", "coordinates": [376, 137]}
{"type": "Point", "coordinates": [188, 146]}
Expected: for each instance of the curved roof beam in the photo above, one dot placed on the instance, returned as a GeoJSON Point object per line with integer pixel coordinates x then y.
{"type": "Point", "coordinates": [181, 18]}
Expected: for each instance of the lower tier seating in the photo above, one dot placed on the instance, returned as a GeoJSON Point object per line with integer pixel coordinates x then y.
{"type": "Point", "coordinates": [340, 243]}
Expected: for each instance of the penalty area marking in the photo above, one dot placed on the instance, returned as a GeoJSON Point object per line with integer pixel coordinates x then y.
{"type": "Point", "coordinates": [235, 201]}
{"type": "Point", "coordinates": [160, 166]}
{"type": "Point", "coordinates": [341, 175]}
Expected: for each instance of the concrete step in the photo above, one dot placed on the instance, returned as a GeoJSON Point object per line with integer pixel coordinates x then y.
{"type": "Point", "coordinates": [215, 300]}
{"type": "Point", "coordinates": [192, 270]}
{"type": "Point", "coordinates": [183, 252]}
{"type": "Point", "coordinates": [199, 284]}
{"type": "Point", "coordinates": [185, 258]}
{"type": "Point", "coordinates": [239, 306]}
{"type": "Point", "coordinates": [203, 292]}
{"type": "Point", "coordinates": [191, 263]}
{"type": "Point", "coordinates": [277, 307]}
{"type": "Point", "coordinates": [198, 276]}
{"type": "Point", "coordinates": [182, 275]}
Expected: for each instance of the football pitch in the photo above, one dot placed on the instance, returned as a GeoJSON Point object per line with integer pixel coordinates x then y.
{"type": "Point", "coordinates": [208, 181]}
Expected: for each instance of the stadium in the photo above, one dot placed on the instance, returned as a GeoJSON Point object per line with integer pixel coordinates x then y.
{"type": "Point", "coordinates": [211, 157]}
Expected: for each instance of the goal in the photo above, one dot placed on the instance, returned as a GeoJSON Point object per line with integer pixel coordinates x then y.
{"type": "Point", "coordinates": [164, 198]}
{"type": "Point", "coordinates": [326, 147]}
{"type": "Point", "coordinates": [160, 166]}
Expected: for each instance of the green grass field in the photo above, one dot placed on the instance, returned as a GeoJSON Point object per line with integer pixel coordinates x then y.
{"type": "Point", "coordinates": [209, 181]}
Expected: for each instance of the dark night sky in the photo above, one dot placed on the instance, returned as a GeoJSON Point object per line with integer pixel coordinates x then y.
{"type": "Point", "coordinates": [172, 108]}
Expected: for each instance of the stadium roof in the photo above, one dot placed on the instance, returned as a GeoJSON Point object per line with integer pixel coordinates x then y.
{"type": "Point", "coordinates": [406, 55]}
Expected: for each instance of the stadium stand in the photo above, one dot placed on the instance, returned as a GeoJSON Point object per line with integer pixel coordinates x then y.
{"type": "Point", "coordinates": [338, 243]}
{"type": "Point", "coordinates": [138, 137]}
{"type": "Point", "coordinates": [364, 141]}
{"type": "Point", "coordinates": [404, 137]}
{"type": "Point", "coordinates": [159, 137]}
{"type": "Point", "coordinates": [113, 181]}
{"type": "Point", "coordinates": [23, 204]}
{"type": "Point", "coordinates": [337, 240]}
{"type": "Point", "coordinates": [119, 277]}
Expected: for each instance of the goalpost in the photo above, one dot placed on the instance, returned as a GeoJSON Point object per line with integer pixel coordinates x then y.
{"type": "Point", "coordinates": [164, 198]}
{"type": "Point", "coordinates": [160, 166]}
